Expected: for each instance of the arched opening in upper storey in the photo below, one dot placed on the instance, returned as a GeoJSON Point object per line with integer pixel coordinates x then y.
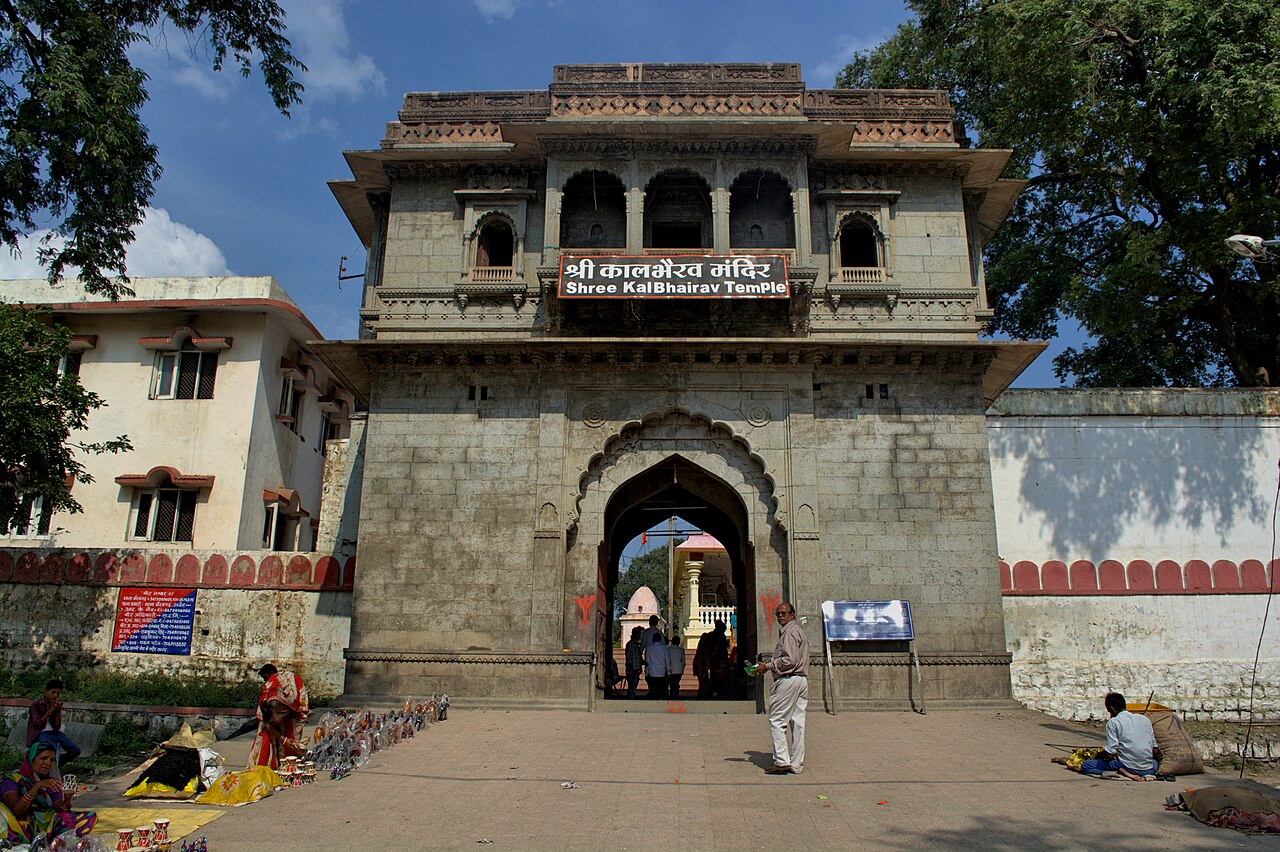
{"type": "Point", "coordinates": [677, 211]}
{"type": "Point", "coordinates": [593, 212]}
{"type": "Point", "coordinates": [760, 212]}
{"type": "Point", "coordinates": [496, 243]}
{"type": "Point", "coordinates": [859, 243]}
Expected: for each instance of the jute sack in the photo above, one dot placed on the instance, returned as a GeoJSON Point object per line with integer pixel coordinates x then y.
{"type": "Point", "coordinates": [1178, 753]}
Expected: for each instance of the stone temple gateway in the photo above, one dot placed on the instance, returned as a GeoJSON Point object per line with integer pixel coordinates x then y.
{"type": "Point", "coordinates": [831, 434]}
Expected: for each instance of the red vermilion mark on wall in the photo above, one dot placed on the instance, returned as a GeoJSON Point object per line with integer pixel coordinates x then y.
{"type": "Point", "coordinates": [585, 603]}
{"type": "Point", "coordinates": [770, 600]}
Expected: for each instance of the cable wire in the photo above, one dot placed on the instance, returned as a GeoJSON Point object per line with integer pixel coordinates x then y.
{"type": "Point", "coordinates": [1269, 571]}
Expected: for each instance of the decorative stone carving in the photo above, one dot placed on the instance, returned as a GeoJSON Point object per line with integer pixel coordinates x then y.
{"type": "Point", "coordinates": [757, 414]}
{"type": "Point", "coordinates": [678, 72]}
{"type": "Point", "coordinates": [674, 106]}
{"type": "Point", "coordinates": [594, 415]}
{"type": "Point", "coordinates": [448, 133]}
{"type": "Point", "coordinates": [891, 131]}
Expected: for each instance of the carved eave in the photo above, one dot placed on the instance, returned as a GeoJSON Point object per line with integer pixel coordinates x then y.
{"type": "Point", "coordinates": [998, 362]}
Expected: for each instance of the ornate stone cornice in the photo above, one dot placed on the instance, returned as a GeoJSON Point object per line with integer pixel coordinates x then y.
{"type": "Point", "coordinates": [725, 73]}
{"type": "Point", "coordinates": [467, 657]}
{"type": "Point", "coordinates": [475, 132]}
{"type": "Point", "coordinates": [680, 103]}
{"type": "Point", "coordinates": [876, 177]}
{"type": "Point", "coordinates": [473, 106]}
{"type": "Point", "coordinates": [643, 354]}
{"type": "Point", "coordinates": [837, 104]}
{"type": "Point", "coordinates": [470, 176]}
{"type": "Point", "coordinates": [627, 148]}
{"type": "Point", "coordinates": [710, 90]}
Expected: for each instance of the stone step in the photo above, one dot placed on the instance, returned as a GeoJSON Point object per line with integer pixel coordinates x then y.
{"type": "Point", "coordinates": [717, 707]}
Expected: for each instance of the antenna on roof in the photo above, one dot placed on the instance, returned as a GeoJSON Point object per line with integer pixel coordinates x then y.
{"type": "Point", "coordinates": [342, 267]}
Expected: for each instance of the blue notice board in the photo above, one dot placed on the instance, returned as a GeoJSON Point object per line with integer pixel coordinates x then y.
{"type": "Point", "coordinates": [853, 621]}
{"type": "Point", "coordinates": [154, 621]}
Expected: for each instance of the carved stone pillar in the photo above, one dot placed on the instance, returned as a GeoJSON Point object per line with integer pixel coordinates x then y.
{"type": "Point", "coordinates": [720, 220]}
{"type": "Point", "coordinates": [694, 570]}
{"type": "Point", "coordinates": [800, 209]}
{"type": "Point", "coordinates": [551, 227]}
{"type": "Point", "coordinates": [375, 255]}
{"type": "Point", "coordinates": [635, 220]}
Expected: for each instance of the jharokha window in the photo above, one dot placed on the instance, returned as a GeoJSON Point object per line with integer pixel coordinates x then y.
{"type": "Point", "coordinates": [496, 245]}
{"type": "Point", "coordinates": [859, 245]}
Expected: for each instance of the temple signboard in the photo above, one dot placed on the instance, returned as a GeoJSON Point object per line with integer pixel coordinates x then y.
{"type": "Point", "coordinates": [686, 276]}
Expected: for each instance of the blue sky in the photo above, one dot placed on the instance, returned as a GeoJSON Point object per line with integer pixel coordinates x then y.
{"type": "Point", "coordinates": [243, 190]}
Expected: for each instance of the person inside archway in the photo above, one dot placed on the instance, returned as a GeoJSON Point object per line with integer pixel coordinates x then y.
{"type": "Point", "coordinates": [635, 660]}
{"type": "Point", "coordinates": [711, 662]}
{"type": "Point", "coordinates": [675, 666]}
{"type": "Point", "coordinates": [655, 663]}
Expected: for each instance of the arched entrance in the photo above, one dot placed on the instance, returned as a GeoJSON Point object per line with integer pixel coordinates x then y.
{"type": "Point", "coordinates": [655, 460]}
{"type": "Point", "coordinates": [678, 485]}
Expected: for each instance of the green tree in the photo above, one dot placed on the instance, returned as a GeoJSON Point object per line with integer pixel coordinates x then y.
{"type": "Point", "coordinates": [648, 569]}
{"type": "Point", "coordinates": [42, 406]}
{"type": "Point", "coordinates": [75, 155]}
{"type": "Point", "coordinates": [74, 149]}
{"type": "Point", "coordinates": [1148, 131]}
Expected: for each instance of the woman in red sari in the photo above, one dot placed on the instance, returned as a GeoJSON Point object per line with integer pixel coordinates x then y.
{"type": "Point", "coordinates": [282, 708]}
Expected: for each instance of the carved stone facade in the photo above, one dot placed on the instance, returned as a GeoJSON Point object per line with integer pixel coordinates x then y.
{"type": "Point", "coordinates": [833, 440]}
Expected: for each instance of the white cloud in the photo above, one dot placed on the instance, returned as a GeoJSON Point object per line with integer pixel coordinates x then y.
{"type": "Point", "coordinates": [303, 123]}
{"type": "Point", "coordinates": [318, 33]}
{"type": "Point", "coordinates": [161, 247]}
{"type": "Point", "coordinates": [491, 9]}
{"type": "Point", "coordinates": [204, 80]}
{"type": "Point", "coordinates": [824, 73]}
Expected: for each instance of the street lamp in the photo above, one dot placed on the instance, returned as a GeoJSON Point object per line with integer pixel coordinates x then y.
{"type": "Point", "coordinates": [1254, 248]}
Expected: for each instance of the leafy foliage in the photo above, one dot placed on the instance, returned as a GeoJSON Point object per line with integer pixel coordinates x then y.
{"type": "Point", "coordinates": [152, 689]}
{"type": "Point", "coordinates": [41, 406]}
{"type": "Point", "coordinates": [1148, 131]}
{"type": "Point", "coordinates": [648, 569]}
{"type": "Point", "coordinates": [74, 147]}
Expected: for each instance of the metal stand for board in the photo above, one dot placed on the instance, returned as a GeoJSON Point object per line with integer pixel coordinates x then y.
{"type": "Point", "coordinates": [879, 621]}
{"type": "Point", "coordinates": [915, 662]}
{"type": "Point", "coordinates": [831, 675]}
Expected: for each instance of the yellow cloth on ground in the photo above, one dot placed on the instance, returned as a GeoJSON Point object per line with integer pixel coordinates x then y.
{"type": "Point", "coordinates": [241, 788]}
{"type": "Point", "coordinates": [182, 821]}
{"type": "Point", "coordinates": [155, 790]}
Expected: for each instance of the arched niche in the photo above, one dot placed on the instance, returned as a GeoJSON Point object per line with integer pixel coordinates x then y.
{"type": "Point", "coordinates": [593, 212]}
{"type": "Point", "coordinates": [761, 215]}
{"type": "Point", "coordinates": [677, 211]}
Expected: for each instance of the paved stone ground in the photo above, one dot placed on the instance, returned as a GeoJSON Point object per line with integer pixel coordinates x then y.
{"type": "Point", "coordinates": [949, 780]}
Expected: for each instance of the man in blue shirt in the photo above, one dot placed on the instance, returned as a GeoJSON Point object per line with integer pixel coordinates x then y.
{"type": "Point", "coordinates": [1131, 744]}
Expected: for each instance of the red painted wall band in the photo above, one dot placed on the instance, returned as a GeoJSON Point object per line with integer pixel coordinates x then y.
{"type": "Point", "coordinates": [1138, 577]}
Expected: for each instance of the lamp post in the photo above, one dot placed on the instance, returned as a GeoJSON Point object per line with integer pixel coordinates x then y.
{"type": "Point", "coordinates": [1254, 248]}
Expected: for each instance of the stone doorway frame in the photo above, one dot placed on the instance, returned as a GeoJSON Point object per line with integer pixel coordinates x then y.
{"type": "Point", "coordinates": [702, 448]}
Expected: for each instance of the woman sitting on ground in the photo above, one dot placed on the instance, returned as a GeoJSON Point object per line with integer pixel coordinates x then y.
{"type": "Point", "coordinates": [35, 804]}
{"type": "Point", "coordinates": [282, 708]}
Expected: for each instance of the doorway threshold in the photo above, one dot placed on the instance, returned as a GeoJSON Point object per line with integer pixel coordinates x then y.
{"type": "Point", "coordinates": [693, 707]}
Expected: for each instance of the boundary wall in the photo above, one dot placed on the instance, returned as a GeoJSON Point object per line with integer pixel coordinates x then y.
{"type": "Point", "coordinates": [1135, 534]}
{"type": "Point", "coordinates": [294, 609]}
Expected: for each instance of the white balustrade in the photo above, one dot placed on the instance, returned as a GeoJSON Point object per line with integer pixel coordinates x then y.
{"type": "Point", "coordinates": [709, 615]}
{"type": "Point", "coordinates": [492, 274]}
{"type": "Point", "coordinates": [861, 275]}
